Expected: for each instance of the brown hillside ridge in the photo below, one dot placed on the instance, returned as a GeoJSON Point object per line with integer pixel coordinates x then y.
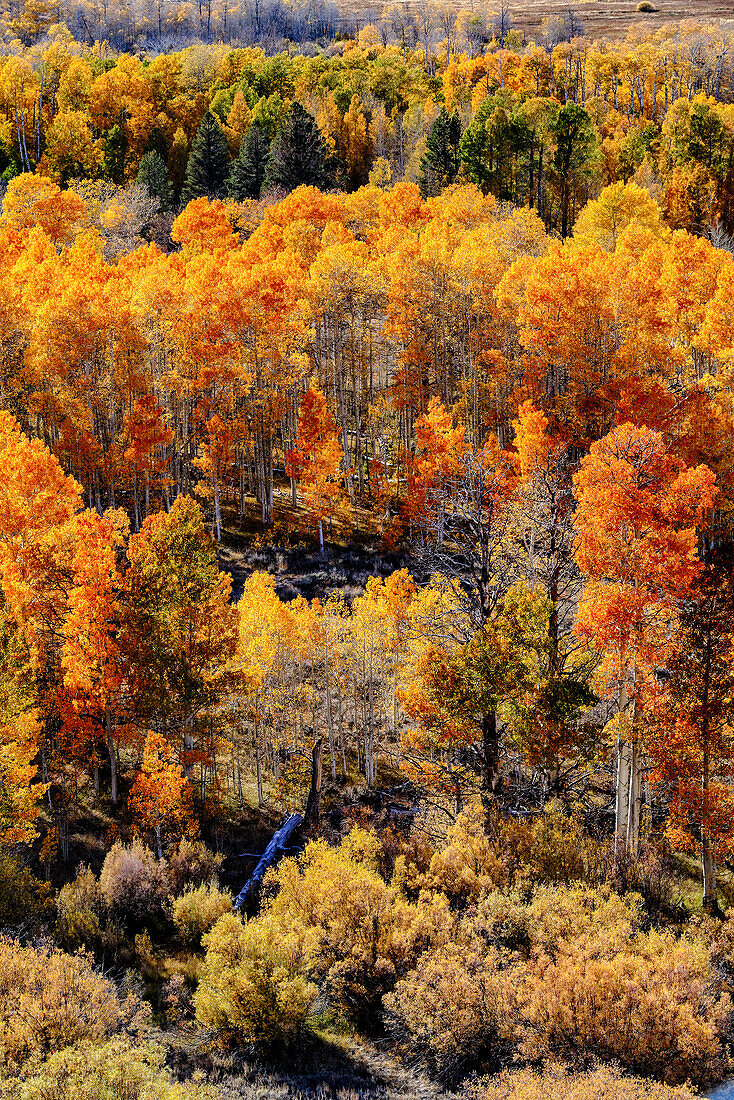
{"type": "Point", "coordinates": [611, 18]}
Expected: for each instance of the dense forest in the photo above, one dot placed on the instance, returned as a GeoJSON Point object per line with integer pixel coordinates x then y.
{"type": "Point", "coordinates": [366, 500]}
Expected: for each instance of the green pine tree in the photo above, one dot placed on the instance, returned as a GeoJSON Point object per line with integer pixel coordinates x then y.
{"type": "Point", "coordinates": [115, 147]}
{"type": "Point", "coordinates": [153, 174]}
{"type": "Point", "coordinates": [440, 163]}
{"type": "Point", "coordinates": [208, 165]}
{"type": "Point", "coordinates": [299, 154]}
{"type": "Point", "coordinates": [248, 169]}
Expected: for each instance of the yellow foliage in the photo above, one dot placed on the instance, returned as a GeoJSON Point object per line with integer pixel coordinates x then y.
{"type": "Point", "coordinates": [359, 934]}
{"type": "Point", "coordinates": [253, 988]}
{"type": "Point", "coordinates": [559, 1083]}
{"type": "Point", "coordinates": [110, 1072]}
{"type": "Point", "coordinates": [198, 909]}
{"type": "Point", "coordinates": [79, 906]}
{"type": "Point", "coordinates": [620, 205]}
{"type": "Point", "coordinates": [50, 1000]}
{"type": "Point", "coordinates": [455, 1009]}
{"type": "Point", "coordinates": [653, 1003]}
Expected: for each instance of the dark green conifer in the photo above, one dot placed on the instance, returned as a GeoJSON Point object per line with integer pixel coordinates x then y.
{"type": "Point", "coordinates": [247, 173]}
{"type": "Point", "coordinates": [440, 163]}
{"type": "Point", "coordinates": [115, 147]}
{"type": "Point", "coordinates": [153, 174]}
{"type": "Point", "coordinates": [208, 164]}
{"type": "Point", "coordinates": [299, 154]}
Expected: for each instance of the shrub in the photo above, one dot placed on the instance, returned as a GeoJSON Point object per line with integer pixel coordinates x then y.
{"type": "Point", "coordinates": [192, 864]}
{"type": "Point", "coordinates": [645, 5]}
{"type": "Point", "coordinates": [114, 1071]}
{"type": "Point", "coordinates": [557, 1082]}
{"type": "Point", "coordinates": [50, 1000]}
{"type": "Point", "coordinates": [178, 1000]}
{"type": "Point", "coordinates": [499, 920]}
{"type": "Point", "coordinates": [469, 864]}
{"type": "Point", "coordinates": [455, 1010]}
{"type": "Point", "coordinates": [557, 915]}
{"type": "Point", "coordinates": [24, 901]}
{"type": "Point", "coordinates": [254, 989]}
{"type": "Point", "coordinates": [655, 1005]}
{"type": "Point", "coordinates": [548, 848]}
{"type": "Point", "coordinates": [79, 907]}
{"type": "Point", "coordinates": [359, 934]}
{"type": "Point", "coordinates": [198, 909]}
{"type": "Point", "coordinates": [552, 848]}
{"type": "Point", "coordinates": [134, 884]}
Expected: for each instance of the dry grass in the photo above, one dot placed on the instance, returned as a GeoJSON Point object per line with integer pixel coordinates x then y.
{"type": "Point", "coordinates": [347, 1069]}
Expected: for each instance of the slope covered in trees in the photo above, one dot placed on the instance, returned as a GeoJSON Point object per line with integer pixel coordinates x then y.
{"type": "Point", "coordinates": [450, 326]}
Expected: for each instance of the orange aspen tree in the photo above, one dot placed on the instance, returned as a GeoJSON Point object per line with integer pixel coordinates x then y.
{"type": "Point", "coordinates": [216, 461]}
{"type": "Point", "coordinates": [317, 462]}
{"type": "Point", "coordinates": [638, 507]}
{"type": "Point", "coordinates": [439, 448]}
{"type": "Point", "coordinates": [547, 719]}
{"type": "Point", "coordinates": [148, 437]}
{"type": "Point", "coordinates": [90, 656]}
{"type": "Point", "coordinates": [161, 797]}
{"type": "Point", "coordinates": [691, 737]}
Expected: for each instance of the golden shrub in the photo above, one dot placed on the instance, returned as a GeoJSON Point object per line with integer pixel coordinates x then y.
{"type": "Point", "coordinates": [118, 1070]}
{"type": "Point", "coordinates": [560, 1084]}
{"type": "Point", "coordinates": [359, 934]}
{"type": "Point", "coordinates": [198, 909]}
{"type": "Point", "coordinates": [50, 1000]}
{"type": "Point", "coordinates": [557, 915]}
{"type": "Point", "coordinates": [23, 899]}
{"type": "Point", "coordinates": [655, 1005]}
{"type": "Point", "coordinates": [192, 864]}
{"type": "Point", "coordinates": [79, 908]}
{"type": "Point", "coordinates": [550, 847]}
{"type": "Point", "coordinates": [469, 865]}
{"type": "Point", "coordinates": [455, 1010]}
{"type": "Point", "coordinates": [253, 989]}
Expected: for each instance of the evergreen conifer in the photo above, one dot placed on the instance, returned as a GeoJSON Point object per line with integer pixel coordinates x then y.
{"type": "Point", "coordinates": [299, 154]}
{"type": "Point", "coordinates": [440, 163]}
{"type": "Point", "coordinates": [153, 174]}
{"type": "Point", "coordinates": [248, 169]}
{"type": "Point", "coordinates": [208, 165]}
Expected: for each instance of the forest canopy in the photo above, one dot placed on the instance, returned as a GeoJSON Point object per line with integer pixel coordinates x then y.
{"type": "Point", "coordinates": [366, 495]}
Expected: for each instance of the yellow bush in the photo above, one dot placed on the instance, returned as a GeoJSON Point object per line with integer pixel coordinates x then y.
{"type": "Point", "coordinates": [79, 906]}
{"type": "Point", "coordinates": [198, 909]}
{"type": "Point", "coordinates": [570, 975]}
{"type": "Point", "coordinates": [23, 899]}
{"type": "Point", "coordinates": [498, 920]}
{"type": "Point", "coordinates": [655, 1005]}
{"type": "Point", "coordinates": [469, 864]}
{"type": "Point", "coordinates": [114, 1071]}
{"type": "Point", "coordinates": [558, 1083]}
{"type": "Point", "coordinates": [253, 988]}
{"type": "Point", "coordinates": [455, 1010]}
{"type": "Point", "coordinates": [50, 1000]}
{"type": "Point", "coordinates": [552, 848]}
{"type": "Point", "coordinates": [548, 848]}
{"type": "Point", "coordinates": [557, 915]}
{"type": "Point", "coordinates": [359, 934]}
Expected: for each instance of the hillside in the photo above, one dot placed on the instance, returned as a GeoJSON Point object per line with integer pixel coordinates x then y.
{"type": "Point", "coordinates": [366, 553]}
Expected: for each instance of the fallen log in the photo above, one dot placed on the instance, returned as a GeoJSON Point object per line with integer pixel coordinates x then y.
{"type": "Point", "coordinates": [280, 842]}
{"type": "Point", "coordinates": [292, 834]}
